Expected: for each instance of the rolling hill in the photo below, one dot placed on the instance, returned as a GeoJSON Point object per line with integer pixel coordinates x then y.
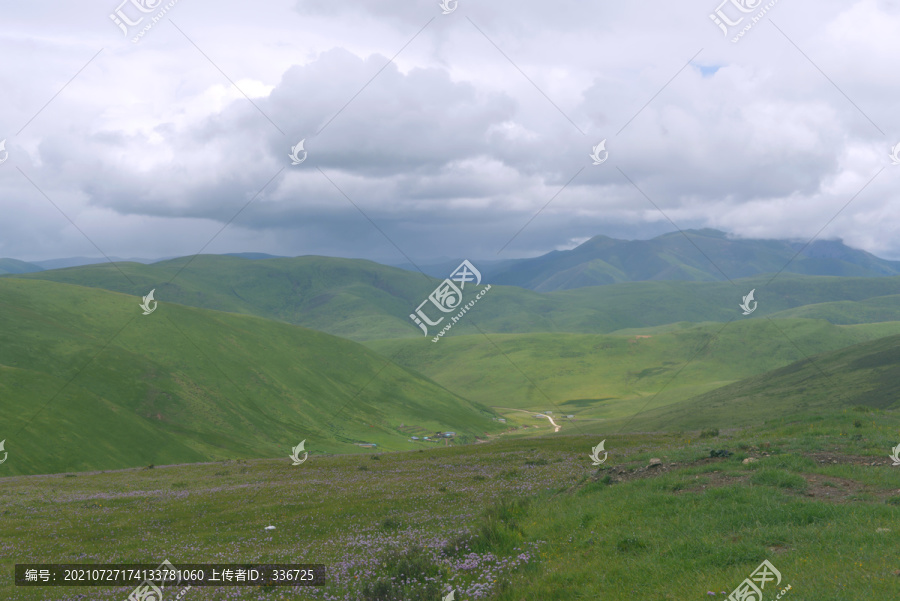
{"type": "Point", "coordinates": [14, 266]}
{"type": "Point", "coordinates": [88, 382]}
{"type": "Point", "coordinates": [612, 375]}
{"type": "Point", "coordinates": [350, 298]}
{"type": "Point", "coordinates": [362, 300]}
{"type": "Point", "coordinates": [865, 375]}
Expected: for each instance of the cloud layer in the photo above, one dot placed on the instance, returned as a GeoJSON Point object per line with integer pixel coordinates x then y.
{"type": "Point", "coordinates": [434, 135]}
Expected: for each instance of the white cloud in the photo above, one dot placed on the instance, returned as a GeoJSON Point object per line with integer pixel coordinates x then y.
{"type": "Point", "coordinates": [452, 147]}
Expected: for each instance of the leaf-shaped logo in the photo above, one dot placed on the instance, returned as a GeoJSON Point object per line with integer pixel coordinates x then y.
{"type": "Point", "coordinates": [5, 454]}
{"type": "Point", "coordinates": [6, 154]}
{"type": "Point", "coordinates": [295, 153]}
{"type": "Point", "coordinates": [295, 453]}
{"type": "Point", "coordinates": [595, 453]}
{"type": "Point", "coordinates": [601, 147]}
{"type": "Point", "coordinates": [746, 304]}
{"type": "Point", "coordinates": [895, 456]}
{"type": "Point", "coordinates": [146, 304]}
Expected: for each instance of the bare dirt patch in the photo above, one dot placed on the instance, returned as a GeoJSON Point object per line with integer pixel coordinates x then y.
{"type": "Point", "coordinates": [826, 488]}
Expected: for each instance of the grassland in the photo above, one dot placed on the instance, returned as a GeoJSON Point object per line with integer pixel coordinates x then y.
{"type": "Point", "coordinates": [866, 374]}
{"type": "Point", "coordinates": [516, 520]}
{"type": "Point", "coordinates": [215, 391]}
{"type": "Point", "coordinates": [361, 300]}
{"type": "Point", "coordinates": [611, 376]}
{"type": "Point", "coordinates": [88, 382]}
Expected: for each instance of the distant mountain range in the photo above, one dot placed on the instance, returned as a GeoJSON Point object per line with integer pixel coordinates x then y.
{"type": "Point", "coordinates": [705, 255]}
{"type": "Point", "coordinates": [362, 300]}
{"type": "Point", "coordinates": [14, 266]}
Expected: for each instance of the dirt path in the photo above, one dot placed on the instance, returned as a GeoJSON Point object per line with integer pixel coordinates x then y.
{"type": "Point", "coordinates": [534, 413]}
{"type": "Point", "coordinates": [555, 426]}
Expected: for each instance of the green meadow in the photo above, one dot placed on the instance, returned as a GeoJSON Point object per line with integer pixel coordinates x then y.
{"type": "Point", "coordinates": [88, 382]}
{"type": "Point", "coordinates": [362, 301]}
{"type": "Point", "coordinates": [605, 376]}
{"type": "Point", "coordinates": [136, 438]}
{"type": "Point", "coordinates": [528, 519]}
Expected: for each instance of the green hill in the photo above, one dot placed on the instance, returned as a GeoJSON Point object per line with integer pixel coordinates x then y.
{"type": "Point", "coordinates": [354, 299]}
{"type": "Point", "coordinates": [871, 310]}
{"type": "Point", "coordinates": [362, 300]}
{"type": "Point", "coordinates": [88, 382]}
{"type": "Point", "coordinates": [612, 375]}
{"type": "Point", "coordinates": [14, 266]}
{"type": "Point", "coordinates": [865, 374]}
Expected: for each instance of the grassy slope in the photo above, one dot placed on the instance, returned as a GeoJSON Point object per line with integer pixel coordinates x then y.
{"type": "Point", "coordinates": [866, 374]}
{"type": "Point", "coordinates": [609, 376]}
{"type": "Point", "coordinates": [87, 382]}
{"type": "Point", "coordinates": [343, 297]}
{"type": "Point", "coordinates": [815, 504]}
{"type": "Point", "coordinates": [872, 310]}
{"type": "Point", "coordinates": [8, 266]}
{"type": "Point", "coordinates": [362, 300]}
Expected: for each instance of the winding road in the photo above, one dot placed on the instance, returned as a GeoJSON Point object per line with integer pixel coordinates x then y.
{"type": "Point", "coordinates": [555, 425]}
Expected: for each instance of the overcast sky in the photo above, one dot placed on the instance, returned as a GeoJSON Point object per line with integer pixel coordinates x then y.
{"type": "Point", "coordinates": [442, 135]}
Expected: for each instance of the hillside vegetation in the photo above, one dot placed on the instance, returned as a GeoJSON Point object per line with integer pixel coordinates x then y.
{"type": "Point", "coordinates": [864, 375]}
{"type": "Point", "coordinates": [517, 520]}
{"type": "Point", "coordinates": [361, 300]}
{"type": "Point", "coordinates": [88, 382]}
{"type": "Point", "coordinates": [614, 375]}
